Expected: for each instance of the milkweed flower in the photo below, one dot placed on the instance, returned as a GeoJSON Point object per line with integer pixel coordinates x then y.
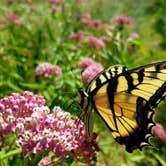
{"type": "Point", "coordinates": [86, 62]}
{"type": "Point", "coordinates": [134, 35]}
{"type": "Point", "coordinates": [14, 109]}
{"type": "Point", "coordinates": [45, 161]}
{"type": "Point", "coordinates": [10, 1]}
{"type": "Point", "coordinates": [91, 71]}
{"type": "Point", "coordinates": [78, 36]}
{"type": "Point", "coordinates": [27, 1]}
{"type": "Point", "coordinates": [123, 20]}
{"type": "Point", "coordinates": [159, 131]}
{"type": "Point", "coordinates": [13, 18]}
{"type": "Point", "coordinates": [86, 152]}
{"type": "Point", "coordinates": [55, 1]}
{"type": "Point", "coordinates": [56, 131]}
{"type": "Point", "coordinates": [80, 1]}
{"type": "Point", "coordinates": [85, 18]}
{"type": "Point", "coordinates": [46, 69]}
{"type": "Point", "coordinates": [54, 9]}
{"type": "Point", "coordinates": [95, 42]}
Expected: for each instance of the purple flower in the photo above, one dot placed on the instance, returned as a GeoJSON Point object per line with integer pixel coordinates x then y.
{"type": "Point", "coordinates": [159, 131]}
{"type": "Point", "coordinates": [91, 71]}
{"type": "Point", "coordinates": [46, 69]}
{"type": "Point", "coordinates": [57, 132]}
{"type": "Point", "coordinates": [15, 108]}
{"type": "Point", "coordinates": [86, 151]}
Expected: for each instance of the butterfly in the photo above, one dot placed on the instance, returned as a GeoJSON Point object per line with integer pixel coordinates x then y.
{"type": "Point", "coordinates": [125, 100]}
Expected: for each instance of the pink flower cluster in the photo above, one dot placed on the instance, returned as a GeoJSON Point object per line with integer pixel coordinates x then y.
{"type": "Point", "coordinates": [90, 69]}
{"type": "Point", "coordinates": [45, 161]}
{"type": "Point", "coordinates": [95, 42]}
{"type": "Point", "coordinates": [13, 18]}
{"type": "Point", "coordinates": [123, 20]}
{"type": "Point", "coordinates": [10, 1]}
{"type": "Point", "coordinates": [37, 130]}
{"type": "Point", "coordinates": [87, 150]}
{"type": "Point", "coordinates": [46, 69]}
{"type": "Point", "coordinates": [160, 132]}
{"type": "Point", "coordinates": [57, 132]}
{"type": "Point", "coordinates": [15, 108]}
{"type": "Point", "coordinates": [91, 40]}
{"type": "Point", "coordinates": [134, 35]}
{"type": "Point", "coordinates": [86, 20]}
{"type": "Point", "coordinates": [55, 1]}
{"type": "Point", "coordinates": [80, 1]}
{"type": "Point", "coordinates": [78, 36]}
{"type": "Point", "coordinates": [26, 1]}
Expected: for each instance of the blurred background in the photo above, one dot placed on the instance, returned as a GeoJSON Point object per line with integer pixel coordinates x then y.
{"type": "Point", "coordinates": [63, 33]}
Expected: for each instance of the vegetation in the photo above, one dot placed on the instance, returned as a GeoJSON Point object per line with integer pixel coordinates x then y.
{"type": "Point", "coordinates": [62, 34]}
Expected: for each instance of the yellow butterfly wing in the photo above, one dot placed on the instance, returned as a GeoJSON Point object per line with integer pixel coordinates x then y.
{"type": "Point", "coordinates": [149, 82]}
{"type": "Point", "coordinates": [125, 100]}
{"type": "Point", "coordinates": [130, 119]}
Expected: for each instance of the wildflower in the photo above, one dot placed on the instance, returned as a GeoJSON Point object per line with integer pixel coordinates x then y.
{"type": "Point", "coordinates": [10, 1]}
{"type": "Point", "coordinates": [80, 1]}
{"type": "Point", "coordinates": [55, 1]}
{"type": "Point", "coordinates": [95, 42]}
{"type": "Point", "coordinates": [123, 20]}
{"type": "Point", "coordinates": [46, 69]}
{"type": "Point", "coordinates": [86, 62]}
{"type": "Point", "coordinates": [78, 36]}
{"type": "Point", "coordinates": [27, 1]}
{"type": "Point", "coordinates": [91, 71]}
{"type": "Point", "coordinates": [86, 20]}
{"type": "Point", "coordinates": [13, 18]}
{"type": "Point", "coordinates": [57, 132]}
{"type": "Point", "coordinates": [134, 35]}
{"type": "Point", "coordinates": [54, 9]}
{"type": "Point", "coordinates": [86, 152]}
{"type": "Point", "coordinates": [93, 23]}
{"type": "Point", "coordinates": [85, 17]}
{"type": "Point", "coordinates": [15, 108]}
{"type": "Point", "coordinates": [45, 161]}
{"type": "Point", "coordinates": [105, 38]}
{"type": "Point", "coordinates": [159, 131]}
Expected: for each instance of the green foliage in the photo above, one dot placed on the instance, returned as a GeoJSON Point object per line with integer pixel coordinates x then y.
{"type": "Point", "coordinates": [43, 36]}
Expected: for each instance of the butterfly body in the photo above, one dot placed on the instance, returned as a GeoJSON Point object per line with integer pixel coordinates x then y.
{"type": "Point", "coordinates": [125, 99]}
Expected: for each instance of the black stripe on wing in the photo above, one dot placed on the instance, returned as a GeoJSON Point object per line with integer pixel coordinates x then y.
{"type": "Point", "coordinates": [140, 137]}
